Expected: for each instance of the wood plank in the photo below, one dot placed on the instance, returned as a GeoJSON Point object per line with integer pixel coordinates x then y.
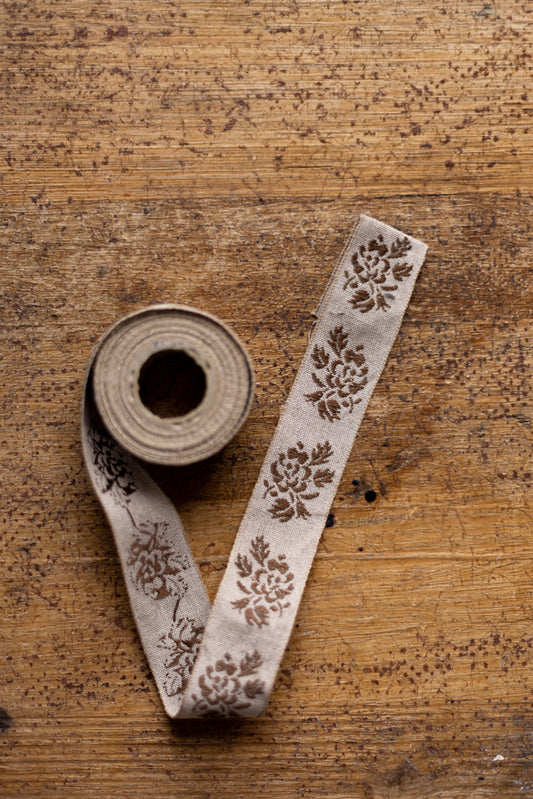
{"type": "Point", "coordinates": [217, 155]}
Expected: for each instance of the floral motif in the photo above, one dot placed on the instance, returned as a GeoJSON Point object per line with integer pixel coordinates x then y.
{"type": "Point", "coordinates": [224, 689]}
{"type": "Point", "coordinates": [377, 270]}
{"type": "Point", "coordinates": [155, 567]}
{"type": "Point", "coordinates": [297, 475]}
{"type": "Point", "coordinates": [265, 585]}
{"type": "Point", "coordinates": [181, 644]}
{"type": "Point", "coordinates": [112, 470]}
{"type": "Point", "coordinates": [341, 376]}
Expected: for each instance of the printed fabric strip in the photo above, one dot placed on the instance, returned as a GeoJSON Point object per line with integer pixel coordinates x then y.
{"type": "Point", "coordinates": [223, 661]}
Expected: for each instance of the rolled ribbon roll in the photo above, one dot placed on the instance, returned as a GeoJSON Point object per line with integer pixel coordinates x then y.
{"type": "Point", "coordinates": [133, 345]}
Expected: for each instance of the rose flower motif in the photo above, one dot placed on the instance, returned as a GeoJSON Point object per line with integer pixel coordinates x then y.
{"type": "Point", "coordinates": [113, 472]}
{"type": "Point", "coordinates": [181, 644]}
{"type": "Point", "coordinates": [296, 476]}
{"type": "Point", "coordinates": [340, 375]}
{"type": "Point", "coordinates": [378, 268]}
{"type": "Point", "coordinates": [224, 689]}
{"type": "Point", "coordinates": [290, 471]}
{"type": "Point", "coordinates": [367, 263]}
{"type": "Point", "coordinates": [155, 567]}
{"type": "Point", "coordinates": [265, 583]}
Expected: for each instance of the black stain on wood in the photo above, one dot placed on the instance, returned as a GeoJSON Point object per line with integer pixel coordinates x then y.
{"type": "Point", "coordinates": [5, 720]}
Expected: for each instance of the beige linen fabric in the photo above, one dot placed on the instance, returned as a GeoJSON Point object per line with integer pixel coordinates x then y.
{"type": "Point", "coordinates": [223, 660]}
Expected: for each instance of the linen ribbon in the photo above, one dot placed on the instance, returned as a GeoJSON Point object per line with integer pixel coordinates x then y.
{"type": "Point", "coordinates": [223, 660]}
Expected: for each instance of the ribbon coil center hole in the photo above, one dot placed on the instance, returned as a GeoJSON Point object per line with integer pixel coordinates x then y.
{"type": "Point", "coordinates": [171, 384]}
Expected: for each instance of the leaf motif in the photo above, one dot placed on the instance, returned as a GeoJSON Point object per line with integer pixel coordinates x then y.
{"type": "Point", "coordinates": [281, 594]}
{"type": "Point", "coordinates": [323, 410]}
{"type": "Point", "coordinates": [321, 453]}
{"type": "Point", "coordinates": [378, 246]}
{"type": "Point", "coordinates": [310, 495]}
{"type": "Point", "coordinates": [338, 340]}
{"type": "Point", "coordinates": [279, 565]}
{"type": "Point", "coordinates": [250, 664]}
{"type": "Point", "coordinates": [362, 301]}
{"type": "Point", "coordinates": [399, 248]}
{"type": "Point", "coordinates": [240, 604]}
{"type": "Point", "coordinates": [282, 509]}
{"type": "Point", "coordinates": [180, 645]}
{"type": "Point", "coordinates": [322, 477]}
{"type": "Point", "coordinates": [253, 688]}
{"type": "Point", "coordinates": [260, 550]}
{"type": "Point", "coordinates": [243, 587]}
{"type": "Point", "coordinates": [358, 267]}
{"type": "Point", "coordinates": [320, 357]}
{"type": "Point", "coordinates": [296, 453]}
{"type": "Point", "coordinates": [355, 356]}
{"type": "Point", "coordinates": [257, 615]}
{"type": "Point", "coordinates": [315, 396]}
{"type": "Point", "coordinates": [226, 665]}
{"type": "Point", "coordinates": [381, 301]}
{"type": "Point", "coordinates": [401, 271]}
{"type": "Point", "coordinates": [356, 387]}
{"type": "Point", "coordinates": [244, 567]}
{"type": "Point", "coordinates": [301, 510]}
{"type": "Point", "coordinates": [333, 409]}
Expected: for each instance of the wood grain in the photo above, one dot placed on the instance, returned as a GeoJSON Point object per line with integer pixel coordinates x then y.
{"type": "Point", "coordinates": [217, 155]}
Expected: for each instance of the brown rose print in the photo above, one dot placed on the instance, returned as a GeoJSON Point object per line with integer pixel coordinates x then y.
{"type": "Point", "coordinates": [340, 375]}
{"type": "Point", "coordinates": [226, 688]}
{"type": "Point", "coordinates": [181, 645]}
{"type": "Point", "coordinates": [296, 478]}
{"type": "Point", "coordinates": [112, 469]}
{"type": "Point", "coordinates": [265, 582]}
{"type": "Point", "coordinates": [377, 270]}
{"type": "Point", "coordinates": [155, 568]}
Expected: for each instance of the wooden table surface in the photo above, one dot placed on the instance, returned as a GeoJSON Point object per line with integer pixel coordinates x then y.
{"type": "Point", "coordinates": [217, 155]}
